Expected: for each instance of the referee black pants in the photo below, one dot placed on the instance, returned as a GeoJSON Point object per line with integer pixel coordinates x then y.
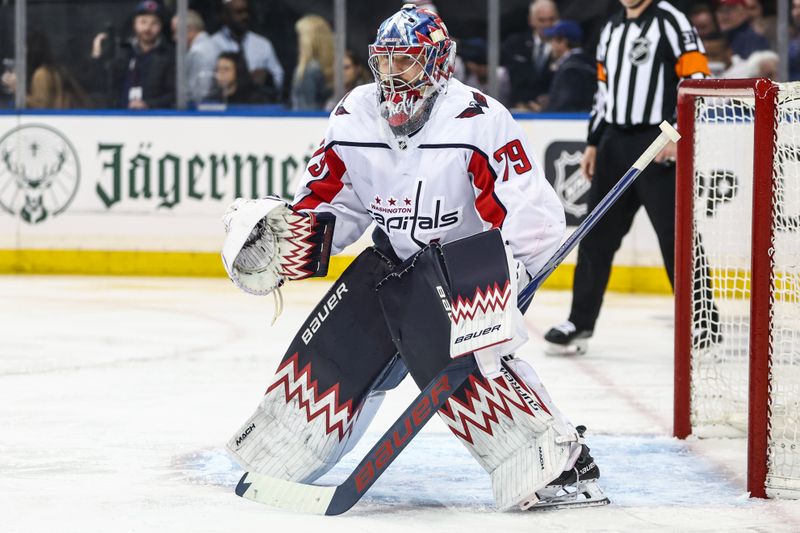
{"type": "Point", "coordinates": [654, 189]}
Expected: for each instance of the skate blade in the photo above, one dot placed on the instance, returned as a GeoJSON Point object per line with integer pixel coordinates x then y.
{"type": "Point", "coordinates": [544, 506]}
{"type": "Point", "coordinates": [576, 347]}
{"type": "Point", "coordinates": [586, 494]}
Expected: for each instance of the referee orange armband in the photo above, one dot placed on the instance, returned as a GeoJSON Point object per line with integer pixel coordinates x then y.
{"type": "Point", "coordinates": [601, 72]}
{"type": "Point", "coordinates": [693, 62]}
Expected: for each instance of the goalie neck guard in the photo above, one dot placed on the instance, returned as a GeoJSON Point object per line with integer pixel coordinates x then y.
{"type": "Point", "coordinates": [412, 60]}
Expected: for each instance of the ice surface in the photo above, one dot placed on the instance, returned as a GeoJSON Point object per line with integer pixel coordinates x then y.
{"type": "Point", "coordinates": [117, 395]}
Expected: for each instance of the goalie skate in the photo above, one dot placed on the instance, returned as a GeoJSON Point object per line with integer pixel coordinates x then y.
{"type": "Point", "coordinates": [574, 496]}
{"type": "Point", "coordinates": [574, 488]}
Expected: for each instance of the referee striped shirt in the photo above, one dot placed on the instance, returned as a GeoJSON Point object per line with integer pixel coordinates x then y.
{"type": "Point", "coordinates": [639, 65]}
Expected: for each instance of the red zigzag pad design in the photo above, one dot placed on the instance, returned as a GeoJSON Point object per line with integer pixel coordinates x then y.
{"type": "Point", "coordinates": [298, 383]}
{"type": "Point", "coordinates": [294, 264]}
{"type": "Point", "coordinates": [485, 401]}
{"type": "Point", "coordinates": [493, 300]}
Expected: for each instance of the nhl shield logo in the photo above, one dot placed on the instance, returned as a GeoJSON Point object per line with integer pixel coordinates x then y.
{"type": "Point", "coordinates": [563, 171]}
{"type": "Point", "coordinates": [39, 172]}
{"type": "Point", "coordinates": [640, 51]}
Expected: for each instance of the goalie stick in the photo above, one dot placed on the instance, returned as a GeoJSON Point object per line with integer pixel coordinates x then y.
{"type": "Point", "coordinates": [335, 500]}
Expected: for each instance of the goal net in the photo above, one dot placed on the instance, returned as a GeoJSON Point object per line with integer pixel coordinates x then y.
{"type": "Point", "coordinates": [737, 281]}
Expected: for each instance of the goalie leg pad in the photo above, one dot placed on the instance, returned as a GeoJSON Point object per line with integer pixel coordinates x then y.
{"type": "Point", "coordinates": [324, 392]}
{"type": "Point", "coordinates": [507, 422]}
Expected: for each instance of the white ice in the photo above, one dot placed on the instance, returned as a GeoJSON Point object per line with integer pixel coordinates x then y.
{"type": "Point", "coordinates": [117, 395]}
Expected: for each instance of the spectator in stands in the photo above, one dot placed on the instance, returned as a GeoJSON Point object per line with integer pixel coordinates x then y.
{"type": "Point", "coordinates": [201, 56]}
{"type": "Point", "coordinates": [312, 83]}
{"type": "Point", "coordinates": [761, 64]}
{"type": "Point", "coordinates": [355, 71]}
{"type": "Point", "coordinates": [794, 44]}
{"type": "Point", "coordinates": [761, 24]}
{"type": "Point", "coordinates": [475, 72]}
{"type": "Point", "coordinates": [232, 81]}
{"type": "Point", "coordinates": [49, 84]}
{"type": "Point", "coordinates": [527, 56]}
{"type": "Point", "coordinates": [703, 20]}
{"type": "Point", "coordinates": [734, 20]}
{"type": "Point", "coordinates": [591, 15]}
{"type": "Point", "coordinates": [723, 63]}
{"type": "Point", "coordinates": [259, 54]}
{"type": "Point", "coordinates": [142, 74]}
{"type": "Point", "coordinates": [720, 56]}
{"type": "Point", "coordinates": [575, 79]}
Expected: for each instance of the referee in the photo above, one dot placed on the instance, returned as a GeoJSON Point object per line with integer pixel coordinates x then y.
{"type": "Point", "coordinates": [643, 53]}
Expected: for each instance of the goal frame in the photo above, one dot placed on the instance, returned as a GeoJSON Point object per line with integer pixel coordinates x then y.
{"type": "Point", "coordinates": [765, 95]}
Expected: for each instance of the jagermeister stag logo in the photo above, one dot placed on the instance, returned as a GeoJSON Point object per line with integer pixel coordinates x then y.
{"type": "Point", "coordinates": [39, 172]}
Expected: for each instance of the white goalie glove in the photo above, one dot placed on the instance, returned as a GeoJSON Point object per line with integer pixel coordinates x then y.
{"type": "Point", "coordinates": [267, 243]}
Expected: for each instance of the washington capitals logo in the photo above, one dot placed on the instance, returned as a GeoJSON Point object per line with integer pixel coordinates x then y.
{"type": "Point", "coordinates": [475, 107]}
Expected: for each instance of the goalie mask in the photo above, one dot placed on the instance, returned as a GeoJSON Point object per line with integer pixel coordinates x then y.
{"type": "Point", "coordinates": [412, 60]}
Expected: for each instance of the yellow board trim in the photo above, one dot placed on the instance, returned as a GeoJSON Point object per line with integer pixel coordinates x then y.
{"type": "Point", "coordinates": [647, 280]}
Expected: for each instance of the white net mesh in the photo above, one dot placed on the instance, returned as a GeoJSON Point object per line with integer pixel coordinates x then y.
{"type": "Point", "coordinates": [723, 191]}
{"type": "Point", "coordinates": [783, 453]}
{"type": "Point", "coordinates": [722, 204]}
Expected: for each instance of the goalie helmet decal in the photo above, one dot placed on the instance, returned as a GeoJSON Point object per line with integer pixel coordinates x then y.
{"type": "Point", "coordinates": [412, 59]}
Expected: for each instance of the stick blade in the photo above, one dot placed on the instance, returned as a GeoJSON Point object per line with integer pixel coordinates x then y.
{"type": "Point", "coordinates": [282, 494]}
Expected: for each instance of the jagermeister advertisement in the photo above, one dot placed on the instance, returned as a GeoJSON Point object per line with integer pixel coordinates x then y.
{"type": "Point", "coordinates": [144, 182]}
{"type": "Point", "coordinates": [126, 182]}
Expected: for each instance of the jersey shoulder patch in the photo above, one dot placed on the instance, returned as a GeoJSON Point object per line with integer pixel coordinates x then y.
{"type": "Point", "coordinates": [475, 107]}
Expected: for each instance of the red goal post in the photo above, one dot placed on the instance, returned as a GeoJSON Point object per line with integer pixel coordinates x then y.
{"type": "Point", "coordinates": [734, 188]}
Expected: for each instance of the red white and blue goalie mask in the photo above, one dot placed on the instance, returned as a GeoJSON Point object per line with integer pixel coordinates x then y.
{"type": "Point", "coordinates": [412, 60]}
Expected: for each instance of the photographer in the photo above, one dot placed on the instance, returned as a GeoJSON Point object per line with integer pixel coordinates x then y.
{"type": "Point", "coordinates": [141, 74]}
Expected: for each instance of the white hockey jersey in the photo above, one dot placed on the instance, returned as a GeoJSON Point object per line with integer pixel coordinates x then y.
{"type": "Point", "coordinates": [469, 169]}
